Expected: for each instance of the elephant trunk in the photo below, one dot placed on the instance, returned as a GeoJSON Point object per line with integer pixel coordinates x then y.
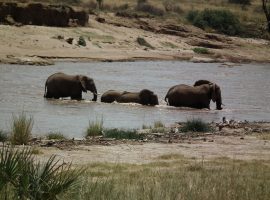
{"type": "Point", "coordinates": [219, 103]}
{"type": "Point", "coordinates": [94, 94]}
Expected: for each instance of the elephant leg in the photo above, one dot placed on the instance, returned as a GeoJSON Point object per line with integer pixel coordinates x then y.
{"type": "Point", "coordinates": [76, 97]}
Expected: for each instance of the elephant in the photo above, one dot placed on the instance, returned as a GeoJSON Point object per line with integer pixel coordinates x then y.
{"type": "Point", "coordinates": [198, 96]}
{"type": "Point", "coordinates": [63, 85]}
{"type": "Point", "coordinates": [110, 96]}
{"type": "Point", "coordinates": [144, 97]}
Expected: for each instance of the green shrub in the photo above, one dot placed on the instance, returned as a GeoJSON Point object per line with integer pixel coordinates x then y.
{"type": "Point", "coordinates": [56, 136]}
{"type": "Point", "coordinates": [23, 178]}
{"type": "Point", "coordinates": [21, 129]}
{"type": "Point", "coordinates": [143, 42]}
{"type": "Point", "coordinates": [95, 128]}
{"type": "Point", "coordinates": [122, 134]}
{"type": "Point", "coordinates": [223, 21]}
{"type": "Point", "coordinates": [81, 41]}
{"type": "Point", "coordinates": [3, 136]}
{"type": "Point", "coordinates": [196, 125]}
{"type": "Point", "coordinates": [201, 50]}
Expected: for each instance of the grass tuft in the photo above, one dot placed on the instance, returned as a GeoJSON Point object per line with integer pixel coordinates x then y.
{"type": "Point", "coordinates": [196, 125]}
{"type": "Point", "coordinates": [158, 124]}
{"type": "Point", "coordinates": [201, 50]}
{"type": "Point", "coordinates": [95, 128]}
{"type": "Point", "coordinates": [122, 134]}
{"type": "Point", "coordinates": [56, 136]}
{"type": "Point", "coordinates": [21, 129]}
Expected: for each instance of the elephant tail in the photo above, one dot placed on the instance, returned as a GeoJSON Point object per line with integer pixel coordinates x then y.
{"type": "Point", "coordinates": [45, 90]}
{"type": "Point", "coordinates": [166, 99]}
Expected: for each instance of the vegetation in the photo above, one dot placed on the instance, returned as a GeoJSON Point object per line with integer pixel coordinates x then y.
{"type": "Point", "coordinates": [201, 50]}
{"type": "Point", "coordinates": [56, 136]}
{"type": "Point", "coordinates": [196, 125]}
{"type": "Point", "coordinates": [266, 10]}
{"type": "Point", "coordinates": [223, 21]}
{"type": "Point", "coordinates": [177, 178]}
{"type": "Point", "coordinates": [141, 41]}
{"type": "Point", "coordinates": [95, 128]}
{"type": "Point", "coordinates": [21, 129]}
{"type": "Point", "coordinates": [23, 178]}
{"type": "Point", "coordinates": [121, 134]}
{"type": "Point", "coordinates": [144, 6]}
{"type": "Point", "coordinates": [81, 41]}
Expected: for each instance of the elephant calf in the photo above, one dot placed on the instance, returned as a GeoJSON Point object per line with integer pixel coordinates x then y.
{"type": "Point", "coordinates": [63, 85]}
{"type": "Point", "coordinates": [144, 97]}
{"type": "Point", "coordinates": [198, 96]}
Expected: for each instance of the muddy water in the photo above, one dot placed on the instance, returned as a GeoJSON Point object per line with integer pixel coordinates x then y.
{"type": "Point", "coordinates": [245, 92]}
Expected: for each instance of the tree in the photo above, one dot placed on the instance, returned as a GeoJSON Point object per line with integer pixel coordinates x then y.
{"type": "Point", "coordinates": [266, 9]}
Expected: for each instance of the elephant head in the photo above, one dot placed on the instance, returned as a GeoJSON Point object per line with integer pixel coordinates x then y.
{"type": "Point", "coordinates": [215, 92]}
{"type": "Point", "coordinates": [216, 95]}
{"type": "Point", "coordinates": [88, 84]}
{"type": "Point", "coordinates": [148, 97]}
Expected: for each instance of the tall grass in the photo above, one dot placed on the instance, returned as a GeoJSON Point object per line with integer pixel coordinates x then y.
{"type": "Point", "coordinates": [23, 178]}
{"type": "Point", "coordinates": [21, 126]}
{"type": "Point", "coordinates": [95, 128]}
{"type": "Point", "coordinates": [177, 179]}
{"type": "Point", "coordinates": [196, 125]}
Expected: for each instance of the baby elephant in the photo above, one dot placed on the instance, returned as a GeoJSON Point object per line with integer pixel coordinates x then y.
{"type": "Point", "coordinates": [144, 97]}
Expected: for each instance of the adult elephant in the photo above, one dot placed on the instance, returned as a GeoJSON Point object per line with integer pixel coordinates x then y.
{"type": "Point", "coordinates": [63, 85]}
{"type": "Point", "coordinates": [144, 97]}
{"type": "Point", "coordinates": [198, 96]}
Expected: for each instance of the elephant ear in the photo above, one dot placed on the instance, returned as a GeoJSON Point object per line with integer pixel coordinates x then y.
{"type": "Point", "coordinates": [213, 88]}
{"type": "Point", "coordinates": [83, 81]}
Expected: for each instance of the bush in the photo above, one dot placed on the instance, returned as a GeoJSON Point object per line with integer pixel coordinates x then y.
{"type": "Point", "coordinates": [158, 124]}
{"type": "Point", "coordinates": [143, 42]}
{"type": "Point", "coordinates": [223, 21]}
{"type": "Point", "coordinates": [21, 129]}
{"type": "Point", "coordinates": [23, 178]}
{"type": "Point", "coordinates": [95, 128]}
{"type": "Point", "coordinates": [56, 136]}
{"type": "Point", "coordinates": [81, 41]}
{"type": "Point", "coordinates": [200, 50]}
{"type": "Point", "coordinates": [144, 6]}
{"type": "Point", "coordinates": [122, 134]}
{"type": "Point", "coordinates": [196, 125]}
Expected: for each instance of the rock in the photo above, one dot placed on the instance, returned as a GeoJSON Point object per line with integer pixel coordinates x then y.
{"type": "Point", "coordinates": [69, 40]}
{"type": "Point", "coordinates": [100, 19]}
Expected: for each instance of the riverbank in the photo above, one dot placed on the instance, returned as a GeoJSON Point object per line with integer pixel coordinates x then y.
{"type": "Point", "coordinates": [116, 38]}
{"type": "Point", "coordinates": [234, 140]}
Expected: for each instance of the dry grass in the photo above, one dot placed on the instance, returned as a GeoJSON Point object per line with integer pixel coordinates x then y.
{"type": "Point", "coordinates": [177, 178]}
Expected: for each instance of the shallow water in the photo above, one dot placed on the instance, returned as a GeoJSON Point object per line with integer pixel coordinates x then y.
{"type": "Point", "coordinates": [245, 92]}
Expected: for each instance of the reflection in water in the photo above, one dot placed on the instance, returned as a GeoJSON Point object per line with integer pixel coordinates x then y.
{"type": "Point", "coordinates": [245, 92]}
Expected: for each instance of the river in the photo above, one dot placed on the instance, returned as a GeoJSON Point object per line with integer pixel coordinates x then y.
{"type": "Point", "coordinates": [245, 91]}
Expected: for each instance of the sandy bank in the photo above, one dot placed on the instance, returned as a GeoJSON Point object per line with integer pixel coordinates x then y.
{"type": "Point", "coordinates": [116, 40]}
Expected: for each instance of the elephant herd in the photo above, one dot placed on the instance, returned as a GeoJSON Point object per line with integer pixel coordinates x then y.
{"type": "Point", "coordinates": [197, 96]}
